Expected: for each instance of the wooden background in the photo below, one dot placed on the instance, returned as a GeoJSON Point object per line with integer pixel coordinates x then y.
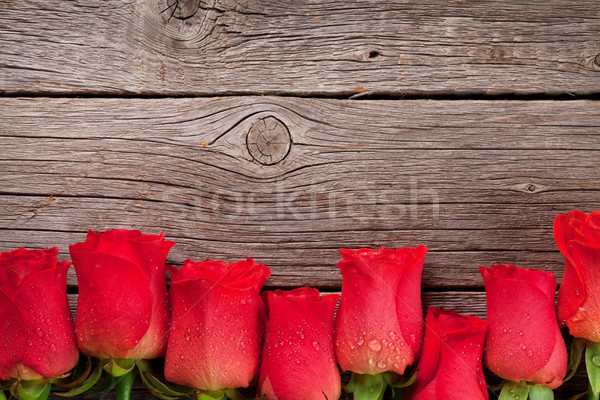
{"type": "Point", "coordinates": [286, 130]}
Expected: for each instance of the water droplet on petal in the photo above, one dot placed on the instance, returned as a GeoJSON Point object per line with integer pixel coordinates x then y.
{"type": "Point", "coordinates": [374, 345]}
{"type": "Point", "coordinates": [39, 332]}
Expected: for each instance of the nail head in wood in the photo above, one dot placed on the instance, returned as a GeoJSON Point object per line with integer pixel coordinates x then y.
{"type": "Point", "coordinates": [268, 141]}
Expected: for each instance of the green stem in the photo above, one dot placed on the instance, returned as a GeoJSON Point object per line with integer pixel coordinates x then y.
{"type": "Point", "coordinates": [2, 395]}
{"type": "Point", "coordinates": [124, 385]}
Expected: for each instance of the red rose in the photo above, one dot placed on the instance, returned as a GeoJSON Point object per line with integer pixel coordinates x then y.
{"type": "Point", "coordinates": [217, 324]}
{"type": "Point", "coordinates": [122, 308]}
{"type": "Point", "coordinates": [450, 363]}
{"type": "Point", "coordinates": [298, 362]}
{"type": "Point", "coordinates": [578, 238]}
{"type": "Point", "coordinates": [379, 323]}
{"type": "Point", "coordinates": [523, 339]}
{"type": "Point", "coordinates": [38, 335]}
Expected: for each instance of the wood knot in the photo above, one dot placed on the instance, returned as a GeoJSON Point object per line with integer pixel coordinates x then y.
{"type": "Point", "coordinates": [182, 9]}
{"type": "Point", "coordinates": [268, 141]}
{"type": "Point", "coordinates": [597, 61]}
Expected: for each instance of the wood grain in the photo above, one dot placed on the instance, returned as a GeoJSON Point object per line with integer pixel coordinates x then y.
{"type": "Point", "coordinates": [478, 182]}
{"type": "Point", "coordinates": [217, 47]}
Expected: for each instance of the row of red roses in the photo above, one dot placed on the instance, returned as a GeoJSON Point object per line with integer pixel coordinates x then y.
{"type": "Point", "coordinates": [210, 327]}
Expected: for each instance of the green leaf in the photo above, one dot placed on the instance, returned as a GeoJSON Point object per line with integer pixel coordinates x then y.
{"type": "Point", "coordinates": [575, 356]}
{"type": "Point", "coordinates": [87, 384]}
{"type": "Point", "coordinates": [233, 394]}
{"type": "Point", "coordinates": [400, 381]}
{"type": "Point", "coordinates": [106, 383]}
{"type": "Point", "coordinates": [79, 374]}
{"type": "Point", "coordinates": [155, 385]}
{"type": "Point", "coordinates": [38, 389]}
{"type": "Point", "coordinates": [2, 395]}
{"type": "Point", "coordinates": [514, 391]}
{"type": "Point", "coordinates": [592, 364]}
{"type": "Point", "coordinates": [211, 395]}
{"type": "Point", "coordinates": [540, 392]}
{"type": "Point", "coordinates": [369, 387]}
{"type": "Point", "coordinates": [119, 366]}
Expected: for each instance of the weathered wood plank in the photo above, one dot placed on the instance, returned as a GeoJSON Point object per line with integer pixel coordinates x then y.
{"type": "Point", "coordinates": [272, 47]}
{"type": "Point", "coordinates": [477, 182]}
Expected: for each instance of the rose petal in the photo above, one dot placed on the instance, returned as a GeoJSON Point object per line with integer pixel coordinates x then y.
{"type": "Point", "coordinates": [370, 336]}
{"type": "Point", "coordinates": [111, 318]}
{"type": "Point", "coordinates": [298, 357]}
{"type": "Point", "coordinates": [218, 325]}
{"type": "Point", "coordinates": [450, 365]}
{"type": "Point", "coordinates": [52, 348]}
{"type": "Point", "coordinates": [13, 343]}
{"type": "Point", "coordinates": [522, 328]}
{"type": "Point", "coordinates": [584, 321]}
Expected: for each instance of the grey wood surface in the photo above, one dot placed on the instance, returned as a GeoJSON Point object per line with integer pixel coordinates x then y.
{"type": "Point", "coordinates": [213, 47]}
{"type": "Point", "coordinates": [151, 115]}
{"type": "Point", "coordinates": [478, 182]}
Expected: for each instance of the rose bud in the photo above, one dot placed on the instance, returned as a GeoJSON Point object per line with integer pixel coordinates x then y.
{"type": "Point", "coordinates": [578, 238]}
{"type": "Point", "coordinates": [523, 339]}
{"type": "Point", "coordinates": [217, 324]}
{"type": "Point", "coordinates": [122, 308]}
{"type": "Point", "coordinates": [450, 364]}
{"type": "Point", "coordinates": [38, 335]}
{"type": "Point", "coordinates": [298, 361]}
{"type": "Point", "coordinates": [379, 322]}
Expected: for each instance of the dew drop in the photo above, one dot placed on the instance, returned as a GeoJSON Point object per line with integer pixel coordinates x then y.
{"type": "Point", "coordinates": [392, 335]}
{"type": "Point", "coordinates": [187, 337]}
{"type": "Point", "coordinates": [371, 362]}
{"type": "Point", "coordinates": [596, 361]}
{"type": "Point", "coordinates": [316, 345]}
{"type": "Point", "coordinates": [360, 341]}
{"type": "Point", "coordinates": [39, 332]}
{"type": "Point", "coordinates": [381, 364]}
{"type": "Point", "coordinates": [523, 346]}
{"type": "Point", "coordinates": [182, 356]}
{"type": "Point", "coordinates": [53, 347]}
{"type": "Point", "coordinates": [374, 345]}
